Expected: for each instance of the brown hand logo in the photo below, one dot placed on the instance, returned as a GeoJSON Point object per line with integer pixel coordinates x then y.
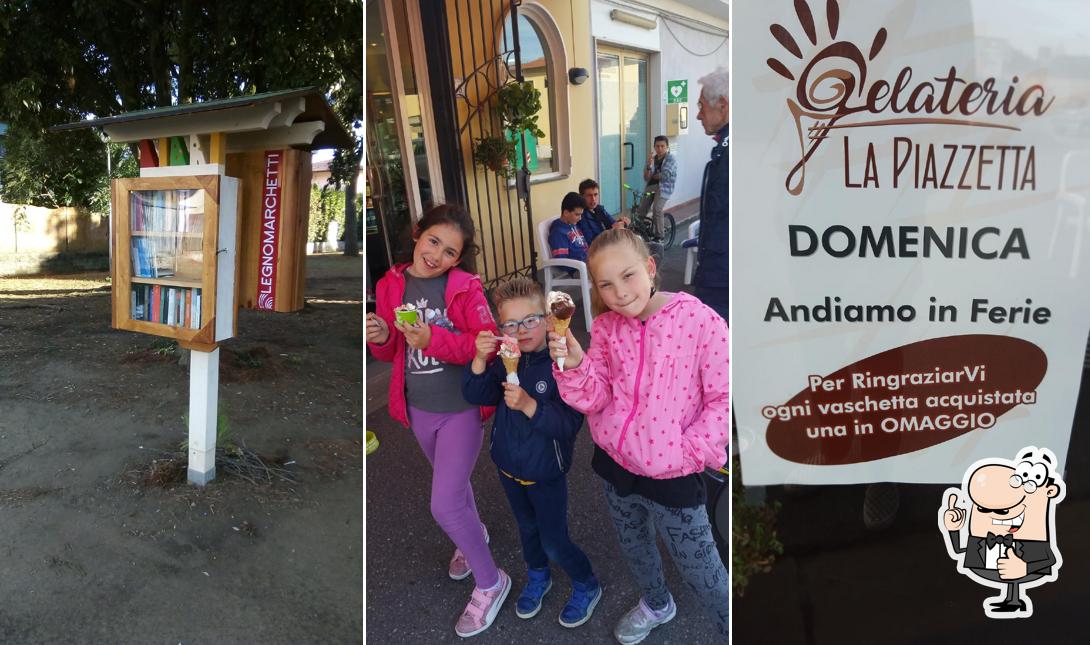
{"type": "Point", "coordinates": [826, 83]}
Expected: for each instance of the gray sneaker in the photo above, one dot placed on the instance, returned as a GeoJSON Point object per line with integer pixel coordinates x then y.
{"type": "Point", "coordinates": [640, 620]}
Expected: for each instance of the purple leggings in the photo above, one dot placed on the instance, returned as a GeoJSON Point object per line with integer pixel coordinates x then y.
{"type": "Point", "coordinates": [457, 437]}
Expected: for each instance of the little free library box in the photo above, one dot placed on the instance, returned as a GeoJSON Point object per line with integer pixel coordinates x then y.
{"type": "Point", "coordinates": [217, 220]}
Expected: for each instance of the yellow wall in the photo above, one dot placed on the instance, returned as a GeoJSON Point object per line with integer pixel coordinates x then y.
{"type": "Point", "coordinates": [30, 229]}
{"type": "Point", "coordinates": [545, 196]}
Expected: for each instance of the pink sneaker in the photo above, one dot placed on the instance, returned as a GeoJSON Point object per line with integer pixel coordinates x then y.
{"type": "Point", "coordinates": [482, 608]}
{"type": "Point", "coordinates": [459, 568]}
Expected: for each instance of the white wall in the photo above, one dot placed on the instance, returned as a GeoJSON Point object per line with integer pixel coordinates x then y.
{"type": "Point", "coordinates": [669, 61]}
{"type": "Point", "coordinates": [692, 150]}
{"type": "Point", "coordinates": [618, 33]}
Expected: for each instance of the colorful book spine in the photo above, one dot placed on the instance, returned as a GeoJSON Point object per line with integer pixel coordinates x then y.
{"type": "Point", "coordinates": [156, 306]}
{"type": "Point", "coordinates": [175, 306]}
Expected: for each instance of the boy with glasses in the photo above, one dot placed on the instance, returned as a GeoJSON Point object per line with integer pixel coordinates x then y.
{"type": "Point", "coordinates": [532, 441]}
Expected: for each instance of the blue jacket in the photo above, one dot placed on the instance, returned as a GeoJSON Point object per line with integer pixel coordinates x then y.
{"type": "Point", "coordinates": [534, 449]}
{"type": "Point", "coordinates": [567, 242]}
{"type": "Point", "coordinates": [595, 222]}
{"type": "Point", "coordinates": [712, 251]}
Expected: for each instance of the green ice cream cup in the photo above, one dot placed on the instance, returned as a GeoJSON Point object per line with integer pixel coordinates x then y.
{"type": "Point", "coordinates": [407, 317]}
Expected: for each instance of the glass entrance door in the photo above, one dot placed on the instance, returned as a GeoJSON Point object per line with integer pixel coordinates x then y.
{"type": "Point", "coordinates": [398, 171]}
{"type": "Point", "coordinates": [623, 144]}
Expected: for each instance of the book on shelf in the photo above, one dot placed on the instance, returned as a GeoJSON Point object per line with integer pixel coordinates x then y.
{"type": "Point", "coordinates": [174, 306]}
{"type": "Point", "coordinates": [166, 211]}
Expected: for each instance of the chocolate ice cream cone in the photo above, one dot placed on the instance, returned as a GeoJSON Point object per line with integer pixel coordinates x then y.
{"type": "Point", "coordinates": [562, 309]}
{"type": "Point", "coordinates": [560, 326]}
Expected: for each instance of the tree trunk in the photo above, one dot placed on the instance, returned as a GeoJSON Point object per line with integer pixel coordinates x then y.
{"type": "Point", "coordinates": [159, 60]}
{"type": "Point", "coordinates": [351, 244]}
{"type": "Point", "coordinates": [183, 44]}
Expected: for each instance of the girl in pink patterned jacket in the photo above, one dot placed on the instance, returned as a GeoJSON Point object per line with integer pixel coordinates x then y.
{"type": "Point", "coordinates": [426, 388]}
{"type": "Point", "coordinates": [654, 387]}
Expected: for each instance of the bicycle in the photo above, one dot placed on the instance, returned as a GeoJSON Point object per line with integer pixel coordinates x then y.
{"type": "Point", "coordinates": [640, 218]}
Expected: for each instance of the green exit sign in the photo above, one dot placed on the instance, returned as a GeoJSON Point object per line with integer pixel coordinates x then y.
{"type": "Point", "coordinates": [677, 91]}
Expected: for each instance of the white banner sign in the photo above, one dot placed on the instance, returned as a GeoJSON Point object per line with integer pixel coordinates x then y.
{"type": "Point", "coordinates": [910, 196]}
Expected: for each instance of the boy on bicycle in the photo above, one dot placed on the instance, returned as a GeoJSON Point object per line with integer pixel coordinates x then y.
{"type": "Point", "coordinates": [660, 175]}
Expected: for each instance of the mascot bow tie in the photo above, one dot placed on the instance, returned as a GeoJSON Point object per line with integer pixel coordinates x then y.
{"type": "Point", "coordinates": [993, 539]}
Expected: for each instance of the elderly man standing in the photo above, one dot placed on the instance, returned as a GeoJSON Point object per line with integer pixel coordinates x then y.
{"type": "Point", "coordinates": [712, 272]}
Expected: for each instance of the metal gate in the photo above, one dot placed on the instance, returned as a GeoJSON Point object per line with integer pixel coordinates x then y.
{"type": "Point", "coordinates": [489, 58]}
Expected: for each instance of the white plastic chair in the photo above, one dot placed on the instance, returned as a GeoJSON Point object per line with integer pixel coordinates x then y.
{"type": "Point", "coordinates": [549, 264]}
{"type": "Point", "coordinates": [690, 257]}
{"type": "Point", "coordinates": [1071, 198]}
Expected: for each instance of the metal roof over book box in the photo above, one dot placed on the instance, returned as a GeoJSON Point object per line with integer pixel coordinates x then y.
{"type": "Point", "coordinates": [265, 141]}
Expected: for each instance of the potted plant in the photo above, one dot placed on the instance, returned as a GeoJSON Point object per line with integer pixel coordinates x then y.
{"type": "Point", "coordinates": [756, 544]}
{"type": "Point", "coordinates": [518, 105]}
{"type": "Point", "coordinates": [495, 153]}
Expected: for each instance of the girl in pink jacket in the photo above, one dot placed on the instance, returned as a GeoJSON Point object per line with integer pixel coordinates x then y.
{"type": "Point", "coordinates": [426, 388]}
{"type": "Point", "coordinates": [654, 388]}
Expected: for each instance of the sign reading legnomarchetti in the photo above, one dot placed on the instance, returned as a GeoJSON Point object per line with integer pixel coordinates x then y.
{"type": "Point", "coordinates": [910, 277]}
{"type": "Point", "coordinates": [270, 231]}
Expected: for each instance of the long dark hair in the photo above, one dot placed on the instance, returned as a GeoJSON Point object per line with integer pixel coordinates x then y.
{"type": "Point", "coordinates": [459, 218]}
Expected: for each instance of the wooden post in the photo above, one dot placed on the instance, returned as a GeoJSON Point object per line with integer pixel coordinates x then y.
{"type": "Point", "coordinates": [204, 380]}
{"type": "Point", "coordinates": [164, 152]}
{"type": "Point", "coordinates": [218, 148]}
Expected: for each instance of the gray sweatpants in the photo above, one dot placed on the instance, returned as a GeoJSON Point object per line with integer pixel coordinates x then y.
{"type": "Point", "coordinates": [657, 220]}
{"type": "Point", "coordinates": [688, 534]}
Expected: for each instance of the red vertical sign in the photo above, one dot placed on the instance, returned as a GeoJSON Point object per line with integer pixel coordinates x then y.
{"type": "Point", "coordinates": [270, 231]}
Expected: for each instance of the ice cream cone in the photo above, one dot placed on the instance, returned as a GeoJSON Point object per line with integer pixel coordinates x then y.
{"type": "Point", "coordinates": [562, 309]}
{"type": "Point", "coordinates": [510, 354]}
{"type": "Point", "coordinates": [511, 364]}
{"type": "Point", "coordinates": [560, 327]}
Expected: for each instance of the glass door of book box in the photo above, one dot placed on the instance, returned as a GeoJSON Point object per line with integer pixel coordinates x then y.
{"type": "Point", "coordinates": [168, 257]}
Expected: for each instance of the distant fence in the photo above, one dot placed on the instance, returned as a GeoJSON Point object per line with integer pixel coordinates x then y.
{"type": "Point", "coordinates": [59, 240]}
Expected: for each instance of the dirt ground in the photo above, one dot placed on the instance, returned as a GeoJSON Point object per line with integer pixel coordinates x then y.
{"type": "Point", "coordinates": [94, 551]}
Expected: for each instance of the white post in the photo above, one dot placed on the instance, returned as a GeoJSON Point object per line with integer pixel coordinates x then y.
{"type": "Point", "coordinates": [332, 236]}
{"type": "Point", "coordinates": [204, 381]}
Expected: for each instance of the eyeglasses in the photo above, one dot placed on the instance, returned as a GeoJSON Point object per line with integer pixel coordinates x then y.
{"type": "Point", "coordinates": [1029, 476]}
{"type": "Point", "coordinates": [529, 322]}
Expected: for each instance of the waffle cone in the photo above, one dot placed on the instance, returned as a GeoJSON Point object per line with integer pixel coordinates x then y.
{"type": "Point", "coordinates": [561, 326]}
{"type": "Point", "coordinates": [510, 363]}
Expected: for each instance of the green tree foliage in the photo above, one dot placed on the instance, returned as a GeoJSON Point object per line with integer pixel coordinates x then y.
{"type": "Point", "coordinates": [51, 170]}
{"type": "Point", "coordinates": [326, 205]}
{"type": "Point", "coordinates": [344, 173]}
{"type": "Point", "coordinates": [62, 60]}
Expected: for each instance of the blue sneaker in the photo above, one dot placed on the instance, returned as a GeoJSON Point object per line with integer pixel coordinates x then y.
{"type": "Point", "coordinates": [538, 584]}
{"type": "Point", "coordinates": [584, 598]}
